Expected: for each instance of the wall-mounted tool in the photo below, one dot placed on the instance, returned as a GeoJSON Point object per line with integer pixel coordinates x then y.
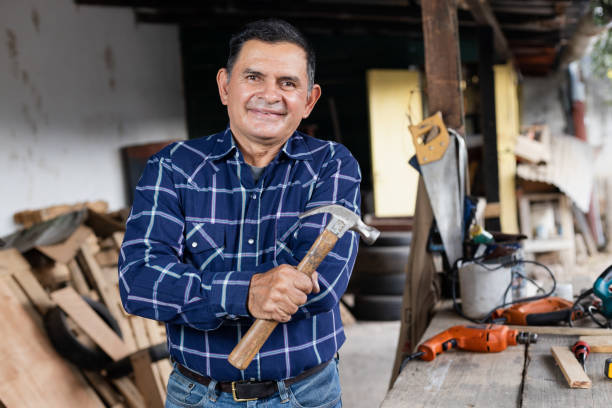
{"type": "Point", "coordinates": [442, 158]}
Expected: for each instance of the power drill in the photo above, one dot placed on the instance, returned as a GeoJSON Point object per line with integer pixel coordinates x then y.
{"type": "Point", "coordinates": [485, 338]}
{"type": "Point", "coordinates": [602, 289]}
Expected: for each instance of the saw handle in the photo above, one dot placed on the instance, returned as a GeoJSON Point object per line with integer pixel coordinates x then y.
{"type": "Point", "coordinates": [258, 333]}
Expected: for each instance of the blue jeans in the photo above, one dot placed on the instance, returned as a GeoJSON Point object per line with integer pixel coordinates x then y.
{"type": "Point", "coordinates": [321, 390]}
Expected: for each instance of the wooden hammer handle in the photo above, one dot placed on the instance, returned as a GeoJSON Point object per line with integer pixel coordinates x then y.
{"type": "Point", "coordinates": [258, 333]}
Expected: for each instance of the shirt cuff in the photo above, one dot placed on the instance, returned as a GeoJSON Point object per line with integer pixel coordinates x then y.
{"type": "Point", "coordinates": [230, 290]}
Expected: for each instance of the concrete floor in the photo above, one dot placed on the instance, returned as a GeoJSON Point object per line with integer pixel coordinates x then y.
{"type": "Point", "coordinates": [366, 360]}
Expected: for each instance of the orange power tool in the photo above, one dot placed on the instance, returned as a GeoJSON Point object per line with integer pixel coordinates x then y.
{"type": "Point", "coordinates": [486, 338]}
{"type": "Point", "coordinates": [542, 312]}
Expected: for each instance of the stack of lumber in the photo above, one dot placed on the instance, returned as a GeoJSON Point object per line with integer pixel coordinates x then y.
{"type": "Point", "coordinates": [28, 218]}
{"type": "Point", "coordinates": [62, 276]}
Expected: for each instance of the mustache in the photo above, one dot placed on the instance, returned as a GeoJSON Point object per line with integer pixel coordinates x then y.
{"type": "Point", "coordinates": [278, 108]}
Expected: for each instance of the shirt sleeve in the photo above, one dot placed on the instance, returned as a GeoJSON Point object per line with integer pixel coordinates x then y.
{"type": "Point", "coordinates": [153, 281]}
{"type": "Point", "coordinates": [338, 183]}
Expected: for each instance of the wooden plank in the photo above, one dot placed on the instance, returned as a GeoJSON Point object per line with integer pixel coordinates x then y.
{"type": "Point", "coordinates": [11, 260]}
{"type": "Point", "coordinates": [599, 344]}
{"type": "Point", "coordinates": [52, 276]}
{"type": "Point", "coordinates": [564, 330]}
{"type": "Point", "coordinates": [103, 388]}
{"type": "Point", "coordinates": [481, 10]}
{"type": "Point", "coordinates": [32, 373]}
{"type": "Point", "coordinates": [107, 291]}
{"type": "Point", "coordinates": [107, 257]}
{"type": "Point", "coordinates": [30, 217]}
{"type": "Point", "coordinates": [65, 251]}
{"type": "Point", "coordinates": [77, 278]}
{"type": "Point", "coordinates": [34, 291]}
{"type": "Point", "coordinates": [91, 323]}
{"type": "Point", "coordinates": [571, 368]}
{"type": "Point", "coordinates": [145, 379]}
{"type": "Point", "coordinates": [140, 332]}
{"type": "Point", "coordinates": [133, 397]}
{"type": "Point", "coordinates": [118, 238]}
{"type": "Point", "coordinates": [161, 368]}
{"type": "Point", "coordinates": [507, 120]}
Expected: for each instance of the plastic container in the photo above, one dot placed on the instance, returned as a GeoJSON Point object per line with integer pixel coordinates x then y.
{"type": "Point", "coordinates": [483, 287]}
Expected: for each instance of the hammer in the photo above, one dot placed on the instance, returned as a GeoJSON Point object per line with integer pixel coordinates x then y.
{"type": "Point", "coordinates": [342, 220]}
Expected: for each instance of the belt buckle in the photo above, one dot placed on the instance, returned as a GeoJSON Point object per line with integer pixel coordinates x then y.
{"type": "Point", "coordinates": [234, 393]}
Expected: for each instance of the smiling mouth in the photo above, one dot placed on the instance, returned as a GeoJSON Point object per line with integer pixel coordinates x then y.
{"type": "Point", "coordinates": [267, 114]}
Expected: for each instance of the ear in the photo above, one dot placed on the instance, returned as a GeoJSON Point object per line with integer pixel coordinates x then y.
{"type": "Point", "coordinates": [315, 94]}
{"type": "Point", "coordinates": [222, 84]}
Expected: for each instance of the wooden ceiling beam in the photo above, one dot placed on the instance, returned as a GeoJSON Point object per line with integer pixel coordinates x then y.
{"type": "Point", "coordinates": [481, 10]}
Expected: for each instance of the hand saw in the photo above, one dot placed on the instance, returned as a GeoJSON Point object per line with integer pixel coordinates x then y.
{"type": "Point", "coordinates": [443, 159]}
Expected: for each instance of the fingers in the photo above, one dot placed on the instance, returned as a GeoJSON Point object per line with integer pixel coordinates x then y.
{"type": "Point", "coordinates": [278, 293]}
{"type": "Point", "coordinates": [303, 282]}
{"type": "Point", "coordinates": [315, 282]}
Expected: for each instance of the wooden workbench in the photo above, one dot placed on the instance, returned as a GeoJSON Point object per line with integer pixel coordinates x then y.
{"type": "Point", "coordinates": [520, 376]}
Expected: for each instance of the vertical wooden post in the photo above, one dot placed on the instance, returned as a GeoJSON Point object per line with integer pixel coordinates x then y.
{"type": "Point", "coordinates": [443, 75]}
{"type": "Point", "coordinates": [488, 124]}
{"type": "Point", "coordinates": [442, 60]}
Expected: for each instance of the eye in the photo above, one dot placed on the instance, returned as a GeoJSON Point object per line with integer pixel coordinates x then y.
{"type": "Point", "coordinates": [251, 77]}
{"type": "Point", "coordinates": [288, 84]}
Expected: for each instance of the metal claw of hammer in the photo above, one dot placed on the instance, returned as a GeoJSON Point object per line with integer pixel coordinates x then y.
{"type": "Point", "coordinates": [342, 221]}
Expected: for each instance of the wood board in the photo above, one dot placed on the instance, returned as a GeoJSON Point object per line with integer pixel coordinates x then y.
{"type": "Point", "coordinates": [598, 344]}
{"type": "Point", "coordinates": [570, 367]}
{"type": "Point", "coordinates": [92, 324]}
{"type": "Point", "coordinates": [30, 364]}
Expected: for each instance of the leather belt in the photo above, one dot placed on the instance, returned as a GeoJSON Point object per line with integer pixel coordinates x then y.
{"type": "Point", "coordinates": [247, 390]}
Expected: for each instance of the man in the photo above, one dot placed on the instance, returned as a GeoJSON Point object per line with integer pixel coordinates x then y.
{"type": "Point", "coordinates": [214, 237]}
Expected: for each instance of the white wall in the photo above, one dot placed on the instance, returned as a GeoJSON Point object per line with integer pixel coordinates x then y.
{"type": "Point", "coordinates": [76, 84]}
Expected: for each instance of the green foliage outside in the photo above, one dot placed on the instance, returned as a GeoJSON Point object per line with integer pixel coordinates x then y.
{"type": "Point", "coordinates": [601, 55]}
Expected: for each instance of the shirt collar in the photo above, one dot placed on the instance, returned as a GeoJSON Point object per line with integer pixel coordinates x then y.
{"type": "Point", "coordinates": [294, 148]}
{"type": "Point", "coordinates": [224, 144]}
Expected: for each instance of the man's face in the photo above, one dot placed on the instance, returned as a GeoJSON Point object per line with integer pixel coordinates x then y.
{"type": "Point", "coordinates": [267, 92]}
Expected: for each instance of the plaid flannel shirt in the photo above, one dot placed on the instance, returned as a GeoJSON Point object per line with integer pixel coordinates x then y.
{"type": "Point", "coordinates": [200, 227]}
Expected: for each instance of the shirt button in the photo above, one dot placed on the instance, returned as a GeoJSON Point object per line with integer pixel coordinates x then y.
{"type": "Point", "coordinates": [254, 196]}
{"type": "Point", "coordinates": [251, 241]}
{"type": "Point", "coordinates": [194, 244]}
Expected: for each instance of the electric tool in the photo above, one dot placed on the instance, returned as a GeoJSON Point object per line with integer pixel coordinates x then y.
{"type": "Point", "coordinates": [541, 312]}
{"type": "Point", "coordinates": [602, 289]}
{"type": "Point", "coordinates": [484, 338]}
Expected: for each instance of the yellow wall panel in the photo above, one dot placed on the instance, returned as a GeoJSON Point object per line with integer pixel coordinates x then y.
{"type": "Point", "coordinates": [507, 117]}
{"type": "Point", "coordinates": [393, 96]}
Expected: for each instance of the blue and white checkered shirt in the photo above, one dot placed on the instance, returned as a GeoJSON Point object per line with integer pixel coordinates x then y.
{"type": "Point", "coordinates": [200, 227]}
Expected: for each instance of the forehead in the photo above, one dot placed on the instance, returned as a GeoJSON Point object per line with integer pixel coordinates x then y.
{"type": "Point", "coordinates": [281, 56]}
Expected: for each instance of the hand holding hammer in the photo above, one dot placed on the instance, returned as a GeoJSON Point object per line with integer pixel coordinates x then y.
{"type": "Point", "coordinates": [342, 221]}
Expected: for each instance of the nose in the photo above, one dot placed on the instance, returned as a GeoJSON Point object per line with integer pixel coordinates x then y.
{"type": "Point", "coordinates": [269, 92]}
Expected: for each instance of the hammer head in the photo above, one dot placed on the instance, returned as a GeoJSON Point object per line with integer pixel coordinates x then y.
{"type": "Point", "coordinates": [343, 220]}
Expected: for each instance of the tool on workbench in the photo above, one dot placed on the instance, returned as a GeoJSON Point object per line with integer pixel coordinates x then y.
{"type": "Point", "coordinates": [602, 289]}
{"type": "Point", "coordinates": [484, 338]}
{"type": "Point", "coordinates": [608, 368]}
{"type": "Point", "coordinates": [581, 350]}
{"type": "Point", "coordinates": [542, 312]}
{"type": "Point", "coordinates": [442, 160]}
{"type": "Point", "coordinates": [342, 221]}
